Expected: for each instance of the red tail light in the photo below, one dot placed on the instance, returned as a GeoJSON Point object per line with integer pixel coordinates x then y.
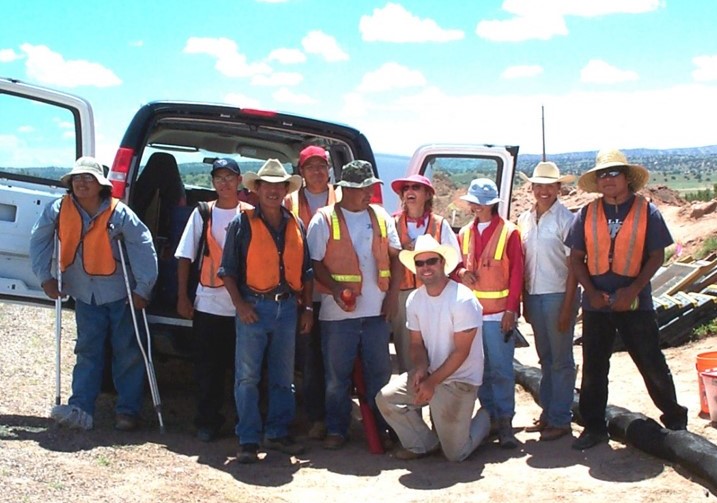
{"type": "Point", "coordinates": [258, 113]}
{"type": "Point", "coordinates": [119, 171]}
{"type": "Point", "coordinates": [377, 197]}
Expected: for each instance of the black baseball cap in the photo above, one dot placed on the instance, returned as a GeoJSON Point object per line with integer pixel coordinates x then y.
{"type": "Point", "coordinates": [226, 163]}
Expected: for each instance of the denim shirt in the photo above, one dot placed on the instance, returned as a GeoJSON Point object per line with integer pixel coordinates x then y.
{"type": "Point", "coordinates": [236, 247]}
{"type": "Point", "coordinates": [140, 256]}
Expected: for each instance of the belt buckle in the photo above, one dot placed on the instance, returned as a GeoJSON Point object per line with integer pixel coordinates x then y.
{"type": "Point", "coordinates": [280, 296]}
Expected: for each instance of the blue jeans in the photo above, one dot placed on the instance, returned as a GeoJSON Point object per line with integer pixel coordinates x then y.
{"type": "Point", "coordinates": [341, 342]}
{"type": "Point", "coordinates": [497, 393]}
{"type": "Point", "coordinates": [274, 336]}
{"type": "Point", "coordinates": [95, 324]}
{"type": "Point", "coordinates": [555, 350]}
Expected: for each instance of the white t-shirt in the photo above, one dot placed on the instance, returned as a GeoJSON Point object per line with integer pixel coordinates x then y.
{"type": "Point", "coordinates": [208, 300]}
{"type": "Point", "coordinates": [361, 233]}
{"type": "Point", "coordinates": [439, 318]}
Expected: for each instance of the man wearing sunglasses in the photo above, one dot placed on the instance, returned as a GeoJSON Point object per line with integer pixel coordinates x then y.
{"type": "Point", "coordinates": [617, 244]}
{"type": "Point", "coordinates": [445, 325]}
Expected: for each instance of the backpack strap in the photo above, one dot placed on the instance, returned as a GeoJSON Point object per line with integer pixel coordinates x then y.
{"type": "Point", "coordinates": [205, 211]}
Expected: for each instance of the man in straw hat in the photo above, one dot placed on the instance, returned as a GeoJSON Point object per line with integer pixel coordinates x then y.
{"type": "Point", "coordinates": [617, 244]}
{"type": "Point", "coordinates": [493, 268]}
{"type": "Point", "coordinates": [416, 218]}
{"type": "Point", "coordinates": [266, 269]}
{"type": "Point", "coordinates": [88, 221]}
{"type": "Point", "coordinates": [354, 246]}
{"type": "Point", "coordinates": [549, 297]}
{"type": "Point", "coordinates": [444, 320]}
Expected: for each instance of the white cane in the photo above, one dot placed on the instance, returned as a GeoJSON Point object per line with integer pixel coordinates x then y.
{"type": "Point", "coordinates": [148, 363]}
{"type": "Point", "coordinates": [58, 324]}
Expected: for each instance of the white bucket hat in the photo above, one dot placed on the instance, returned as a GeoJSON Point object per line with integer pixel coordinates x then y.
{"type": "Point", "coordinates": [87, 165]}
{"type": "Point", "coordinates": [482, 191]}
{"type": "Point", "coordinates": [273, 172]}
{"type": "Point", "coordinates": [425, 243]}
{"type": "Point", "coordinates": [637, 176]}
{"type": "Point", "coordinates": [547, 172]}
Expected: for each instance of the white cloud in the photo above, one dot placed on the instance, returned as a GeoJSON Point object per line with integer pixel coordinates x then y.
{"type": "Point", "coordinates": [8, 55]}
{"type": "Point", "coordinates": [287, 56]}
{"type": "Point", "coordinates": [49, 67]}
{"type": "Point", "coordinates": [277, 79]}
{"type": "Point", "coordinates": [318, 42]}
{"type": "Point", "coordinates": [272, 1]}
{"type": "Point", "coordinates": [137, 43]}
{"type": "Point", "coordinates": [26, 129]}
{"type": "Point", "coordinates": [546, 19]}
{"type": "Point", "coordinates": [393, 23]}
{"type": "Point", "coordinates": [601, 72]}
{"type": "Point", "coordinates": [230, 61]}
{"type": "Point", "coordinates": [706, 68]}
{"type": "Point", "coordinates": [242, 100]}
{"type": "Point", "coordinates": [541, 26]}
{"type": "Point", "coordinates": [521, 72]}
{"type": "Point", "coordinates": [285, 95]}
{"type": "Point", "coordinates": [391, 76]}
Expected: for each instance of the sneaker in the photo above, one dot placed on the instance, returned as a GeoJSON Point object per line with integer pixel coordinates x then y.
{"type": "Point", "coordinates": [126, 422]}
{"type": "Point", "coordinates": [206, 434]}
{"type": "Point", "coordinates": [588, 439]}
{"type": "Point", "coordinates": [248, 453]}
{"type": "Point", "coordinates": [317, 431]}
{"type": "Point", "coordinates": [334, 441]}
{"type": "Point", "coordinates": [286, 444]}
{"type": "Point", "coordinates": [72, 417]}
{"type": "Point", "coordinates": [537, 426]}
{"type": "Point", "coordinates": [550, 433]}
{"type": "Point", "coordinates": [408, 455]}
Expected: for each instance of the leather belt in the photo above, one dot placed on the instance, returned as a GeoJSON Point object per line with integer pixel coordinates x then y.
{"type": "Point", "coordinates": [276, 297]}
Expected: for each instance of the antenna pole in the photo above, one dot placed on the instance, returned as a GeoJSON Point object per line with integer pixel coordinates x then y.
{"type": "Point", "coordinates": [542, 119]}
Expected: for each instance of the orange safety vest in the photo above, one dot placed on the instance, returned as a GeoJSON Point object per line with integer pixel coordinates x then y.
{"type": "Point", "coordinates": [340, 257]}
{"type": "Point", "coordinates": [263, 259]}
{"type": "Point", "coordinates": [434, 225]}
{"type": "Point", "coordinates": [297, 203]}
{"type": "Point", "coordinates": [624, 254]}
{"type": "Point", "coordinates": [492, 267]}
{"type": "Point", "coordinates": [97, 256]}
{"type": "Point", "coordinates": [212, 260]}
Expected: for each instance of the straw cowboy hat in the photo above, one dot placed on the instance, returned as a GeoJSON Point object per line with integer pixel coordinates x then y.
{"type": "Point", "coordinates": [425, 243]}
{"type": "Point", "coordinates": [547, 172]}
{"type": "Point", "coordinates": [482, 191]}
{"type": "Point", "coordinates": [637, 176]}
{"type": "Point", "coordinates": [273, 172]}
{"type": "Point", "coordinates": [89, 166]}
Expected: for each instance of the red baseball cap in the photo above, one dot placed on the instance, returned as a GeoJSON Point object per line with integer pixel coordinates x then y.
{"type": "Point", "coordinates": [397, 184]}
{"type": "Point", "coordinates": [312, 151]}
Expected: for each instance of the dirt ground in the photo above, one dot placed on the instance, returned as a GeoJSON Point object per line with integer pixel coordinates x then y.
{"type": "Point", "coordinates": [40, 462]}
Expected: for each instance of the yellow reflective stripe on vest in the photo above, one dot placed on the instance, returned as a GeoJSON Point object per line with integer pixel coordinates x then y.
{"type": "Point", "coordinates": [295, 202]}
{"type": "Point", "coordinates": [500, 248]}
{"type": "Point", "coordinates": [466, 241]}
{"type": "Point", "coordinates": [383, 273]}
{"type": "Point", "coordinates": [335, 227]}
{"type": "Point", "coordinates": [346, 278]}
{"type": "Point", "coordinates": [633, 237]}
{"type": "Point", "coordinates": [491, 295]}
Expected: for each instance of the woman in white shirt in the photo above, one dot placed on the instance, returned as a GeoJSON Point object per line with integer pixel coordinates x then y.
{"type": "Point", "coordinates": [549, 298]}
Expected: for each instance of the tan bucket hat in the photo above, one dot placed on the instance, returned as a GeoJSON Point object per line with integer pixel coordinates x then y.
{"type": "Point", "coordinates": [88, 165]}
{"type": "Point", "coordinates": [547, 172]}
{"type": "Point", "coordinates": [637, 176]}
{"type": "Point", "coordinates": [273, 172]}
{"type": "Point", "coordinates": [425, 243]}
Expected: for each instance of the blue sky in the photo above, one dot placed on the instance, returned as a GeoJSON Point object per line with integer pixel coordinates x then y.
{"type": "Point", "coordinates": [624, 73]}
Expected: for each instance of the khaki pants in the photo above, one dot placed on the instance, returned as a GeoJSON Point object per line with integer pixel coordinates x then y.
{"type": "Point", "coordinates": [401, 337]}
{"type": "Point", "coordinates": [457, 430]}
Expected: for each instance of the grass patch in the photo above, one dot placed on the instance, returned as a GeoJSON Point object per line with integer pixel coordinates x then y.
{"type": "Point", "coordinates": [703, 331]}
{"type": "Point", "coordinates": [708, 246]}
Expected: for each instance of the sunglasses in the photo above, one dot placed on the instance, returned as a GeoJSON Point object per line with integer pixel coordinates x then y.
{"type": "Point", "coordinates": [415, 186]}
{"type": "Point", "coordinates": [428, 261]}
{"type": "Point", "coordinates": [609, 173]}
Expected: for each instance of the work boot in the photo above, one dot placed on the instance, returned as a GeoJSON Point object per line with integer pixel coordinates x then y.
{"type": "Point", "coordinates": [506, 438]}
{"type": "Point", "coordinates": [72, 416]}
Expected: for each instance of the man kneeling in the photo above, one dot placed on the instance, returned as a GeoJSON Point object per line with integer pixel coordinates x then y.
{"type": "Point", "coordinates": [444, 320]}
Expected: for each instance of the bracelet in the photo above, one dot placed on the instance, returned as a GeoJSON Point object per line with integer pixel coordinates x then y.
{"type": "Point", "coordinates": [308, 308]}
